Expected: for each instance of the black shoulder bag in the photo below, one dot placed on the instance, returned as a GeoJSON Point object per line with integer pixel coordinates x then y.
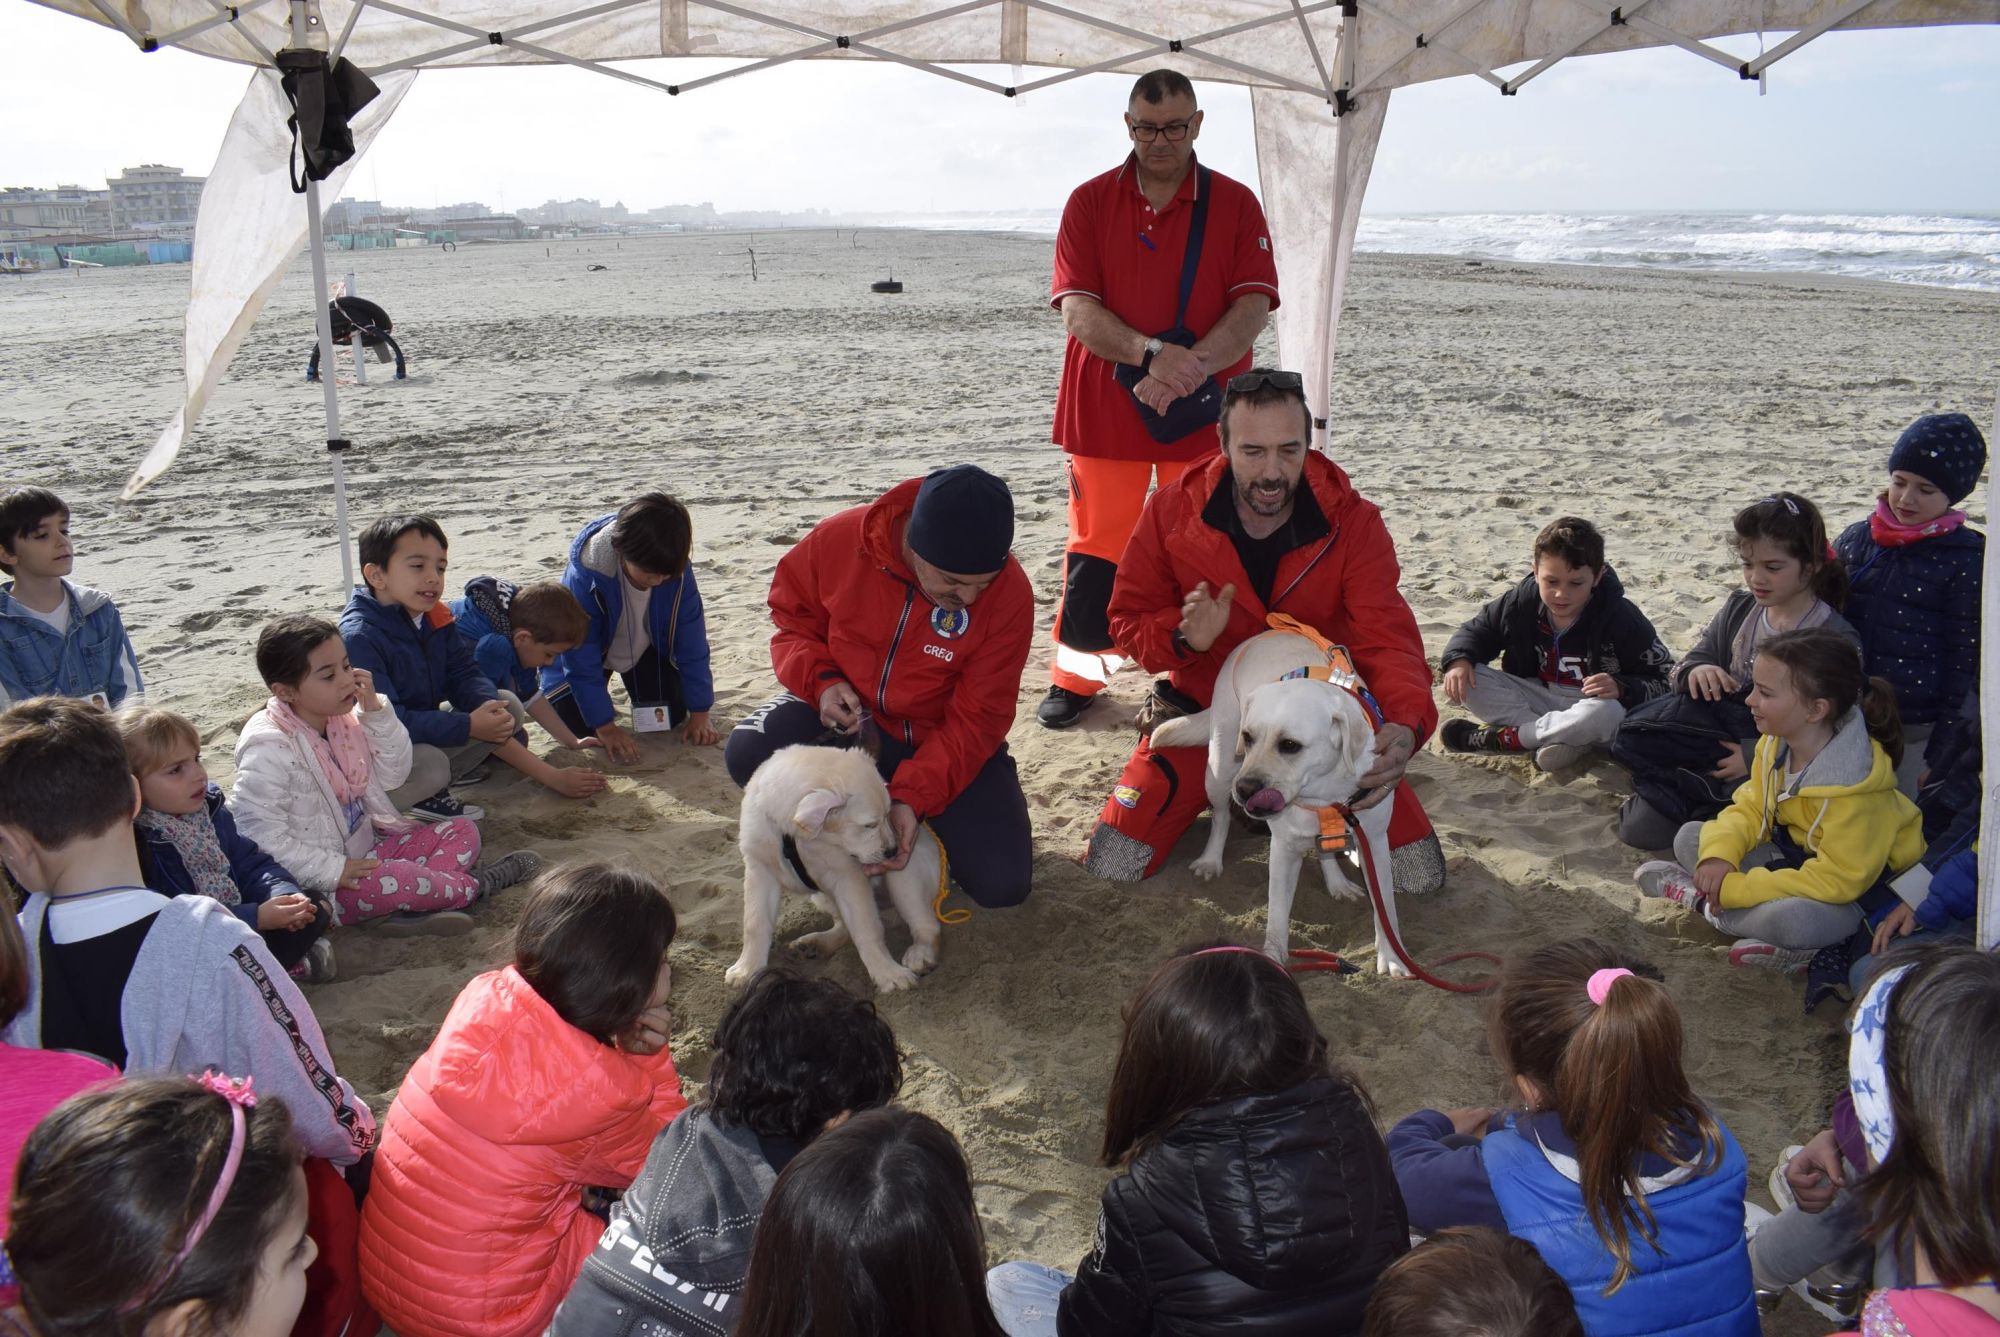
{"type": "Point", "coordinates": [1190, 413]}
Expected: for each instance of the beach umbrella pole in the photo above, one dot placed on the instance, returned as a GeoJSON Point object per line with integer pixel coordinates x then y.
{"type": "Point", "coordinates": [303, 34]}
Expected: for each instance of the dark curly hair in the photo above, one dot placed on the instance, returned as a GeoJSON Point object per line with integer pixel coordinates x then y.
{"type": "Point", "coordinates": [792, 1053]}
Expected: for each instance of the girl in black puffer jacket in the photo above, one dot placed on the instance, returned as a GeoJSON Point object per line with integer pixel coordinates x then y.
{"type": "Point", "coordinates": [1257, 1196]}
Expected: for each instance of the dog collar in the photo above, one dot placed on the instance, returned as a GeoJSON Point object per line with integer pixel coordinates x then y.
{"type": "Point", "coordinates": [790, 849]}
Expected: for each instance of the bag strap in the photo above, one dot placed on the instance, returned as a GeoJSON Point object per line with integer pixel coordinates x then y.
{"type": "Point", "coordinates": [1197, 229]}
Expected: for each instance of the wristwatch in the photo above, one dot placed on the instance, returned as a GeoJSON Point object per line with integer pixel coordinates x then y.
{"type": "Point", "coordinates": [1153, 347]}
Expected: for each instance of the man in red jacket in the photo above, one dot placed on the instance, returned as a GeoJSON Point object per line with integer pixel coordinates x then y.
{"type": "Point", "coordinates": [1269, 526]}
{"type": "Point", "coordinates": [909, 621]}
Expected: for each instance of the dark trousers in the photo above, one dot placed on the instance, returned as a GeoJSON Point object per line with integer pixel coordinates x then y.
{"type": "Point", "coordinates": [653, 681]}
{"type": "Point", "coordinates": [984, 830]}
{"type": "Point", "coordinates": [290, 945]}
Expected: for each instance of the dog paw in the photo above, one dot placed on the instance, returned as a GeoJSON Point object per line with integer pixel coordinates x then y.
{"type": "Point", "coordinates": [1387, 964]}
{"type": "Point", "coordinates": [813, 946]}
{"type": "Point", "coordinates": [921, 957]}
{"type": "Point", "coordinates": [893, 978]}
{"type": "Point", "coordinates": [1207, 869]}
{"type": "Point", "coordinates": [739, 974]}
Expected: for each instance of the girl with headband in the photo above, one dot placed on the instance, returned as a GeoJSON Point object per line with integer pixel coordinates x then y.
{"type": "Point", "coordinates": [1626, 1182]}
{"type": "Point", "coordinates": [162, 1206]}
{"type": "Point", "coordinates": [1256, 1195]}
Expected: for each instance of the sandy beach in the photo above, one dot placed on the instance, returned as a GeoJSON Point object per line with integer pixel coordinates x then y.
{"type": "Point", "coordinates": [1473, 401]}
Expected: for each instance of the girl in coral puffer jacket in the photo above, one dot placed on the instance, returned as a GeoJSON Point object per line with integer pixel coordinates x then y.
{"type": "Point", "coordinates": [545, 1086]}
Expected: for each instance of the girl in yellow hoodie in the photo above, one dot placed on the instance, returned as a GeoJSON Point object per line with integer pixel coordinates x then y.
{"type": "Point", "coordinates": [1804, 851]}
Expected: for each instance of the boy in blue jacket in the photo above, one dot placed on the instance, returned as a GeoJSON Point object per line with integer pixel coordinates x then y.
{"type": "Point", "coordinates": [56, 638]}
{"type": "Point", "coordinates": [630, 572]}
{"type": "Point", "coordinates": [400, 630]}
{"type": "Point", "coordinates": [189, 844]}
{"type": "Point", "coordinates": [517, 631]}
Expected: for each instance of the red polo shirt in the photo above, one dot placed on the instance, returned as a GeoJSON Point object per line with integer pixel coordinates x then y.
{"type": "Point", "coordinates": [1114, 247]}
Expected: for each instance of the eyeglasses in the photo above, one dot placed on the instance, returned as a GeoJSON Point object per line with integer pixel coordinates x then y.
{"type": "Point", "coordinates": [1145, 132]}
{"type": "Point", "coordinates": [1250, 382]}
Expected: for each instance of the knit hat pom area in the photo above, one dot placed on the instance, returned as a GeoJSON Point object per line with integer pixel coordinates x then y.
{"type": "Point", "coordinates": [963, 521]}
{"type": "Point", "coordinates": [1944, 448]}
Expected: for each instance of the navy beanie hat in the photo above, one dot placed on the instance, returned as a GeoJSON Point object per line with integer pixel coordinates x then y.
{"type": "Point", "coordinates": [1944, 449]}
{"type": "Point", "coordinates": [963, 521]}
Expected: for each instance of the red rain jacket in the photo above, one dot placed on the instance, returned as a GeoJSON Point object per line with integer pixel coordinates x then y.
{"type": "Point", "coordinates": [474, 1224]}
{"type": "Point", "coordinates": [848, 610]}
{"type": "Point", "coordinates": [1345, 585]}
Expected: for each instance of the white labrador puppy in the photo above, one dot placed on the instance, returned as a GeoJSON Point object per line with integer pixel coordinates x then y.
{"type": "Point", "coordinates": [1278, 747]}
{"type": "Point", "coordinates": [827, 808]}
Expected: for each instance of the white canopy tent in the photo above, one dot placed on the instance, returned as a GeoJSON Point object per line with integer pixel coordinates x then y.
{"type": "Point", "coordinates": [1320, 75]}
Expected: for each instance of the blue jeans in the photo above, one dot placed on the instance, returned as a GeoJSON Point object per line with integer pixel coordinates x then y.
{"type": "Point", "coordinates": [1024, 1297]}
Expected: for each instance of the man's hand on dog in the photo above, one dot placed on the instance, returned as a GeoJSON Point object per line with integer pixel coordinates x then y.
{"type": "Point", "coordinates": [1203, 616]}
{"type": "Point", "coordinates": [903, 821]}
{"type": "Point", "coordinates": [840, 708]}
{"type": "Point", "coordinates": [1395, 744]}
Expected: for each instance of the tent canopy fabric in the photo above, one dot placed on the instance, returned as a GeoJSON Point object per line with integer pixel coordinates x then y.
{"type": "Point", "coordinates": [1320, 73]}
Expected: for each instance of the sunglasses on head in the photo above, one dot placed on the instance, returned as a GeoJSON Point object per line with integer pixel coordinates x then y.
{"type": "Point", "coordinates": [1252, 381]}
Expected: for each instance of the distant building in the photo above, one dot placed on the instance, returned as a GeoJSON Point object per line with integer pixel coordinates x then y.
{"type": "Point", "coordinates": [501, 227]}
{"type": "Point", "coordinates": [446, 212]}
{"type": "Point", "coordinates": [352, 215]}
{"type": "Point", "coordinates": [154, 198]}
{"type": "Point", "coordinates": [576, 213]}
{"type": "Point", "coordinates": [27, 212]}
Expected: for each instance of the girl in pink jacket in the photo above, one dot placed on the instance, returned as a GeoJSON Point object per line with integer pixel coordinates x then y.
{"type": "Point", "coordinates": [548, 1081]}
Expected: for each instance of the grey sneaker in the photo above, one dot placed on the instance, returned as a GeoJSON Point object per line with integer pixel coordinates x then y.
{"type": "Point", "coordinates": [427, 924]}
{"type": "Point", "coordinates": [442, 807]}
{"type": "Point", "coordinates": [1560, 756]}
{"type": "Point", "coordinates": [507, 871]}
{"type": "Point", "coordinates": [1768, 956]}
{"type": "Point", "coordinates": [478, 775]}
{"type": "Point", "coordinates": [1665, 880]}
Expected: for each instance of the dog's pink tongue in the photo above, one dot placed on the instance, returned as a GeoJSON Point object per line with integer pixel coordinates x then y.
{"type": "Point", "coordinates": [1264, 802]}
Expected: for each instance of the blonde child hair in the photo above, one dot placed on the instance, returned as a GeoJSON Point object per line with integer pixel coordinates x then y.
{"type": "Point", "coordinates": [151, 733]}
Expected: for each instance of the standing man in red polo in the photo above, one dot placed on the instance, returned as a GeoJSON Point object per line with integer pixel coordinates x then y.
{"type": "Point", "coordinates": [1119, 259]}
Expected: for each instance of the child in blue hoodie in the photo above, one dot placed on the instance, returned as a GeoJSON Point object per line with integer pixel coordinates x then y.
{"type": "Point", "coordinates": [630, 572]}
{"type": "Point", "coordinates": [515, 632]}
{"type": "Point", "coordinates": [399, 629]}
{"type": "Point", "coordinates": [1628, 1185]}
{"type": "Point", "coordinates": [56, 638]}
{"type": "Point", "coordinates": [190, 846]}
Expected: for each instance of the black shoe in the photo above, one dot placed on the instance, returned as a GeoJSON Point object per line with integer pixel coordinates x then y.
{"type": "Point", "coordinates": [442, 807]}
{"type": "Point", "coordinates": [1062, 708]}
{"type": "Point", "coordinates": [1465, 736]}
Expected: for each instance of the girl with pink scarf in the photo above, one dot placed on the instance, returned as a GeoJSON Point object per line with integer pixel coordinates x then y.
{"type": "Point", "coordinates": [313, 771]}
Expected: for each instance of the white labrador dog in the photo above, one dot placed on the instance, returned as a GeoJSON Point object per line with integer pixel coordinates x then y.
{"type": "Point", "coordinates": [1277, 747]}
{"type": "Point", "coordinates": [831, 806]}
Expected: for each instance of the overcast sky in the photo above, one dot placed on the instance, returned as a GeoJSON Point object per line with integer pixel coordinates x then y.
{"type": "Point", "coordinates": [1897, 121]}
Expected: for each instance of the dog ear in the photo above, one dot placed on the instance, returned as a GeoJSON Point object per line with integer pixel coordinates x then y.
{"type": "Point", "coordinates": [815, 808]}
{"type": "Point", "coordinates": [1356, 734]}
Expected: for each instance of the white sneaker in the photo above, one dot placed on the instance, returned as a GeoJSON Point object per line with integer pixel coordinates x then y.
{"type": "Point", "coordinates": [1781, 1187]}
{"type": "Point", "coordinates": [1665, 880]}
{"type": "Point", "coordinates": [1560, 756]}
{"type": "Point", "coordinates": [1766, 956]}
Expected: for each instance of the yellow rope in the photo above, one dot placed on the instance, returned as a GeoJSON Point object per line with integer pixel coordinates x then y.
{"type": "Point", "coordinates": [958, 916]}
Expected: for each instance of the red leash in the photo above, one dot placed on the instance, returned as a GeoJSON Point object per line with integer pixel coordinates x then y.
{"type": "Point", "coordinates": [1315, 959]}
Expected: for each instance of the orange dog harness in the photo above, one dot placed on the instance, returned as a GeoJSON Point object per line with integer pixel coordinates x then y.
{"type": "Point", "coordinates": [1335, 834]}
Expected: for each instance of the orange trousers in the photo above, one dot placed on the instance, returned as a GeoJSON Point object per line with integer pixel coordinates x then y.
{"type": "Point", "coordinates": [1105, 500]}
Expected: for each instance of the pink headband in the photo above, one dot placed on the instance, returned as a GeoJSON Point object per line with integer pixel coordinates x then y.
{"type": "Point", "coordinates": [1601, 981]}
{"type": "Point", "coordinates": [240, 1097]}
{"type": "Point", "coordinates": [1211, 951]}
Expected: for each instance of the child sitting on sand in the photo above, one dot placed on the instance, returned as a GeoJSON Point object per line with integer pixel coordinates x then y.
{"type": "Point", "coordinates": [793, 1058]}
{"type": "Point", "coordinates": [155, 984]}
{"type": "Point", "coordinates": [189, 845]}
{"type": "Point", "coordinates": [630, 572]}
{"type": "Point", "coordinates": [1805, 849]}
{"type": "Point", "coordinates": [399, 631]}
{"type": "Point", "coordinates": [547, 1082]}
{"type": "Point", "coordinates": [1628, 1185]}
{"type": "Point", "coordinates": [1256, 1191]}
{"type": "Point", "coordinates": [871, 1229]}
{"type": "Point", "coordinates": [517, 631]}
{"type": "Point", "coordinates": [313, 771]}
{"type": "Point", "coordinates": [165, 1206]}
{"type": "Point", "coordinates": [1471, 1282]}
{"type": "Point", "coordinates": [1915, 567]}
{"type": "Point", "coordinates": [56, 639]}
{"type": "Point", "coordinates": [1687, 751]}
{"type": "Point", "coordinates": [1575, 655]}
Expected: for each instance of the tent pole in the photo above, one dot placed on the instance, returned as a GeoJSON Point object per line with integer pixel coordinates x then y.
{"type": "Point", "coordinates": [304, 29]}
{"type": "Point", "coordinates": [1986, 915]}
